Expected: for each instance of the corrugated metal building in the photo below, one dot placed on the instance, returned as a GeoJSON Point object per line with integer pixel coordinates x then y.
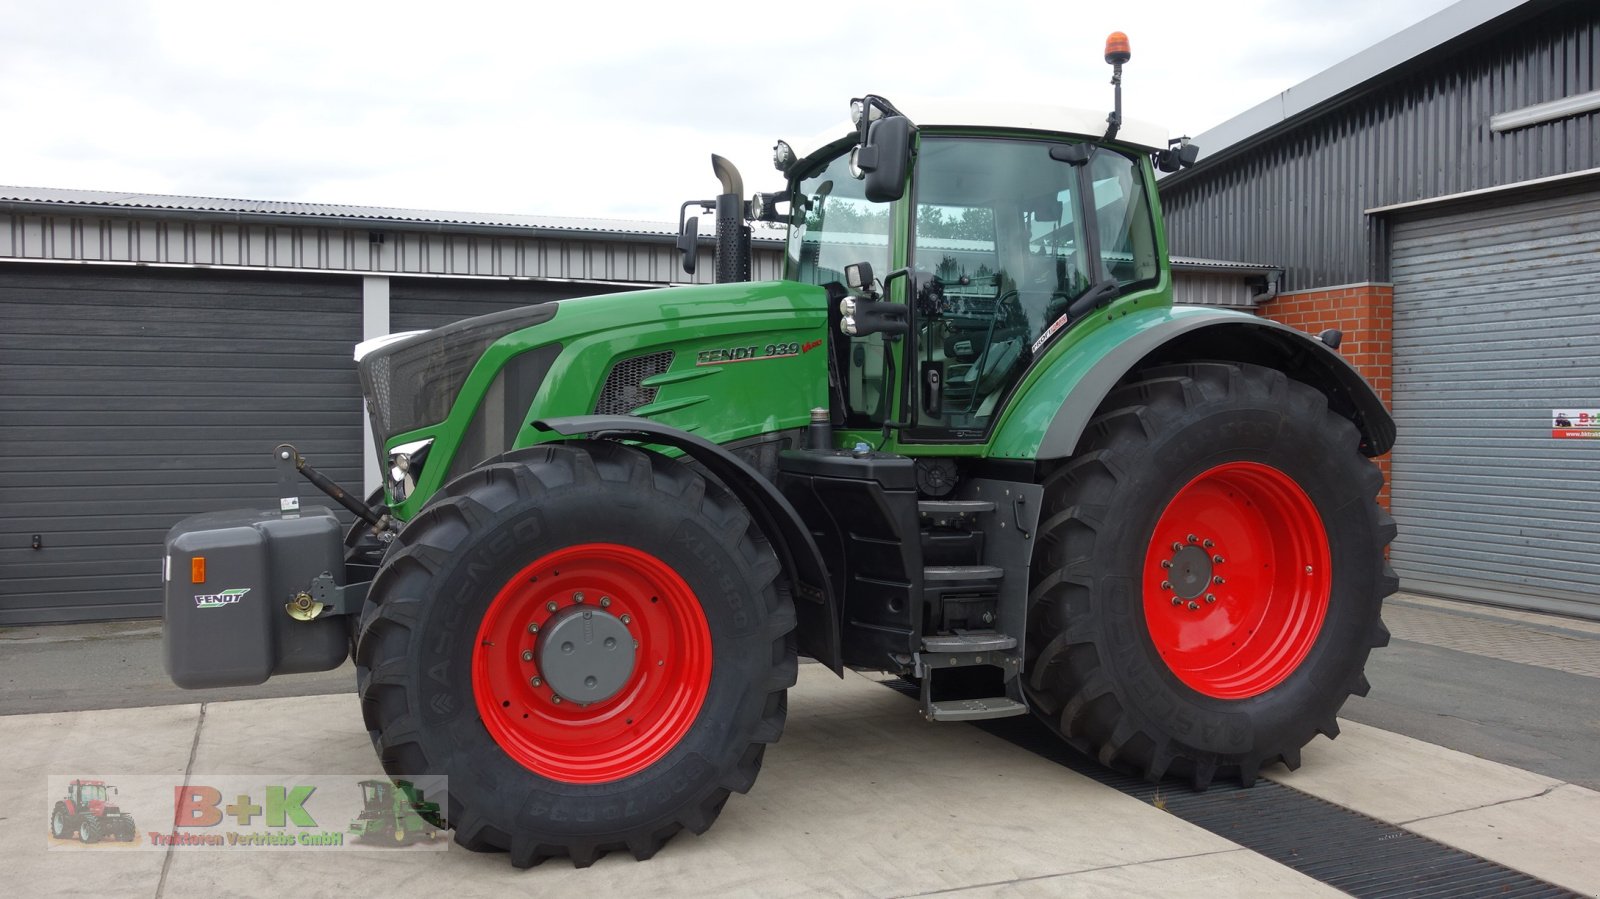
{"type": "Point", "coordinates": [153, 349]}
{"type": "Point", "coordinates": [1437, 197]}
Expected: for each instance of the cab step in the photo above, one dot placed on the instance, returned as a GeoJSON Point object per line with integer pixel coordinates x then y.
{"type": "Point", "coordinates": [974, 709]}
{"type": "Point", "coordinates": [969, 641]}
{"type": "Point", "coordinates": [951, 508]}
{"type": "Point", "coordinates": [975, 576]}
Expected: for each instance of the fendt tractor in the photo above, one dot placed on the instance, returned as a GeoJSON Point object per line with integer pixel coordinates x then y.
{"type": "Point", "coordinates": [968, 439]}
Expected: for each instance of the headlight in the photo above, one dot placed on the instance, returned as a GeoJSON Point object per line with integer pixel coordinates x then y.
{"type": "Point", "coordinates": [858, 109]}
{"type": "Point", "coordinates": [848, 325]}
{"type": "Point", "coordinates": [405, 464]}
{"type": "Point", "coordinates": [782, 156]}
{"type": "Point", "coordinates": [847, 307]}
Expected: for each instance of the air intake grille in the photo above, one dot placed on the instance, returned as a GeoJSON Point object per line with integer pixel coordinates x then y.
{"type": "Point", "coordinates": [624, 390]}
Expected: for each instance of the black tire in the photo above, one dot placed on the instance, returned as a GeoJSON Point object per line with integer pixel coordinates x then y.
{"type": "Point", "coordinates": [61, 824]}
{"type": "Point", "coordinates": [418, 633]}
{"type": "Point", "coordinates": [1094, 671]}
{"type": "Point", "coordinates": [88, 831]}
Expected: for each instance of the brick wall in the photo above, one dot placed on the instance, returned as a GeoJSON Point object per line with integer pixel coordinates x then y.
{"type": "Point", "coordinates": [1365, 313]}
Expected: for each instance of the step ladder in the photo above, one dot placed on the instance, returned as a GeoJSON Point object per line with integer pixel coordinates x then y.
{"type": "Point", "coordinates": [953, 539]}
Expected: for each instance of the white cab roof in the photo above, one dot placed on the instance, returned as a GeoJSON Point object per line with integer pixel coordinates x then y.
{"type": "Point", "coordinates": [977, 113]}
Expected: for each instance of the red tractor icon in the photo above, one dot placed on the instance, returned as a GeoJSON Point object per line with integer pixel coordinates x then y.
{"type": "Point", "coordinates": [87, 811]}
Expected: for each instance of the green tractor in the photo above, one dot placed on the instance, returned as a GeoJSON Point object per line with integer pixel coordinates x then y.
{"type": "Point", "coordinates": [394, 814]}
{"type": "Point", "coordinates": [967, 439]}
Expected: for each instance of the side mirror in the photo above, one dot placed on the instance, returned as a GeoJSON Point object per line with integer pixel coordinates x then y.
{"type": "Point", "coordinates": [884, 158]}
{"type": "Point", "coordinates": [858, 276]}
{"type": "Point", "coordinates": [689, 243]}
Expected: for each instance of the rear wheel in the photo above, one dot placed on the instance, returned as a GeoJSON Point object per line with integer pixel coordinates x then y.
{"type": "Point", "coordinates": [589, 641]}
{"type": "Point", "coordinates": [1210, 574]}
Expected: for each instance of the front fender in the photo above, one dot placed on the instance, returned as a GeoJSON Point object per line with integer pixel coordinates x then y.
{"type": "Point", "coordinates": [1049, 415]}
{"type": "Point", "coordinates": [814, 602]}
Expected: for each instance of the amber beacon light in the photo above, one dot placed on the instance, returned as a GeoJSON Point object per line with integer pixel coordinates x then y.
{"type": "Point", "coordinates": [1117, 51]}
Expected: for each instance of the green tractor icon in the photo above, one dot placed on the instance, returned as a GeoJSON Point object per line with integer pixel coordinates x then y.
{"type": "Point", "coordinates": [394, 813]}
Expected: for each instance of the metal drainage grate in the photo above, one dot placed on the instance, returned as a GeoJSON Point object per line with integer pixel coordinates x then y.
{"type": "Point", "coordinates": [1344, 849]}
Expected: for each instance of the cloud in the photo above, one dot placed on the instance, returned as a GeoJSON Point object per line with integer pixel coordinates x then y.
{"type": "Point", "coordinates": [581, 109]}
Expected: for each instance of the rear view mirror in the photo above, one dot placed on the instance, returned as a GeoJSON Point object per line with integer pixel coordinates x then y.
{"type": "Point", "coordinates": [883, 159]}
{"type": "Point", "coordinates": [689, 243]}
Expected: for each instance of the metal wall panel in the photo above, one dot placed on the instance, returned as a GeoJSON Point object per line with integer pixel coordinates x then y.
{"type": "Point", "coordinates": [1211, 289]}
{"type": "Point", "coordinates": [417, 303]}
{"type": "Point", "coordinates": [1297, 199]}
{"type": "Point", "coordinates": [131, 398]}
{"type": "Point", "coordinates": [1496, 324]}
{"type": "Point", "coordinates": [72, 236]}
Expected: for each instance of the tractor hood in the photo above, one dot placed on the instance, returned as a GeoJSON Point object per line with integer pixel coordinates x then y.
{"type": "Point", "coordinates": [465, 392]}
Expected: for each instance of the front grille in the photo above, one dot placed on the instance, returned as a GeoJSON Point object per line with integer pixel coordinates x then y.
{"type": "Point", "coordinates": [624, 389]}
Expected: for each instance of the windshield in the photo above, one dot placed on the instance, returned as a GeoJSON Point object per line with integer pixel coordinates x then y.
{"type": "Point", "coordinates": [834, 225]}
{"type": "Point", "coordinates": [999, 227]}
{"type": "Point", "coordinates": [92, 792]}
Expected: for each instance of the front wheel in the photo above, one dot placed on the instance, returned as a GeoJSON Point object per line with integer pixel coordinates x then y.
{"type": "Point", "coordinates": [589, 641]}
{"type": "Point", "coordinates": [60, 823]}
{"type": "Point", "coordinates": [1210, 574]}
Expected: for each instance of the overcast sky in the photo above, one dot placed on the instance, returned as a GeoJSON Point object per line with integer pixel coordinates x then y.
{"type": "Point", "coordinates": [577, 107]}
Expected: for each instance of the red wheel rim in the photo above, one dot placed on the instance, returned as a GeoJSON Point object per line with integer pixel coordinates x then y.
{"type": "Point", "coordinates": [1236, 580]}
{"type": "Point", "coordinates": [628, 730]}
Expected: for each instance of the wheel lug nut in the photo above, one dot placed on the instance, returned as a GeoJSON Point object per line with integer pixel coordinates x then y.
{"type": "Point", "coordinates": [1176, 601]}
{"type": "Point", "coordinates": [1166, 563]}
{"type": "Point", "coordinates": [605, 602]}
{"type": "Point", "coordinates": [1176, 546]}
{"type": "Point", "coordinates": [577, 597]}
{"type": "Point", "coordinates": [1166, 585]}
{"type": "Point", "coordinates": [1308, 569]}
{"type": "Point", "coordinates": [1211, 597]}
{"type": "Point", "coordinates": [1217, 559]}
{"type": "Point", "coordinates": [1193, 539]}
{"type": "Point", "coordinates": [1207, 544]}
{"type": "Point", "coordinates": [550, 606]}
{"type": "Point", "coordinates": [536, 681]}
{"type": "Point", "coordinates": [527, 655]}
{"type": "Point", "coordinates": [556, 700]}
{"type": "Point", "coordinates": [533, 628]}
{"type": "Point", "coordinates": [1217, 579]}
{"type": "Point", "coordinates": [1193, 605]}
{"type": "Point", "coordinates": [627, 619]}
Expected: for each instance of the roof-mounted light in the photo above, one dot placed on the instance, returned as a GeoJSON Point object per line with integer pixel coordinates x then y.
{"type": "Point", "coordinates": [1117, 51]}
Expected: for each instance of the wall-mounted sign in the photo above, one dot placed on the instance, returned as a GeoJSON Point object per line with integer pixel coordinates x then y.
{"type": "Point", "coordinates": [1574, 423]}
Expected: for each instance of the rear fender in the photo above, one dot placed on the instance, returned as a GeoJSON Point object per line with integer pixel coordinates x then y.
{"type": "Point", "coordinates": [1047, 419]}
{"type": "Point", "coordinates": [814, 602]}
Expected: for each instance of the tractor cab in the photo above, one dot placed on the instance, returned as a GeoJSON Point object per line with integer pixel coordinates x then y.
{"type": "Point", "coordinates": [1000, 241]}
{"type": "Point", "coordinates": [88, 794]}
{"type": "Point", "coordinates": [376, 796]}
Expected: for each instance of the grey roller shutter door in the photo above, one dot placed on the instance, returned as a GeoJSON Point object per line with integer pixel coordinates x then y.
{"type": "Point", "coordinates": [131, 398]}
{"type": "Point", "coordinates": [1496, 324]}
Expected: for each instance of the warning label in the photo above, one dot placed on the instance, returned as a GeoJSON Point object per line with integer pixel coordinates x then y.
{"type": "Point", "coordinates": [1574, 424]}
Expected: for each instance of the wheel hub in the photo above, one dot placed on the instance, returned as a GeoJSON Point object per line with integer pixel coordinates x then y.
{"type": "Point", "coordinates": [1237, 580]}
{"type": "Point", "coordinates": [586, 655]}
{"type": "Point", "coordinates": [1191, 572]}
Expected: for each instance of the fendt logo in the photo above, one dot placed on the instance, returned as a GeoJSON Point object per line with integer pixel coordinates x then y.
{"type": "Point", "coordinates": [218, 600]}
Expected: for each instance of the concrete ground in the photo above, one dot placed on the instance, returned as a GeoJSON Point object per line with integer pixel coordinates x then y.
{"type": "Point", "coordinates": [1479, 733]}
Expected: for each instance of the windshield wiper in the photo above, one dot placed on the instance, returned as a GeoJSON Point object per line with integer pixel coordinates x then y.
{"type": "Point", "coordinates": [1100, 294]}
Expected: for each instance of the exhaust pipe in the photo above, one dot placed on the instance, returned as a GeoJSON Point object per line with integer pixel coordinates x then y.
{"type": "Point", "coordinates": [733, 235]}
